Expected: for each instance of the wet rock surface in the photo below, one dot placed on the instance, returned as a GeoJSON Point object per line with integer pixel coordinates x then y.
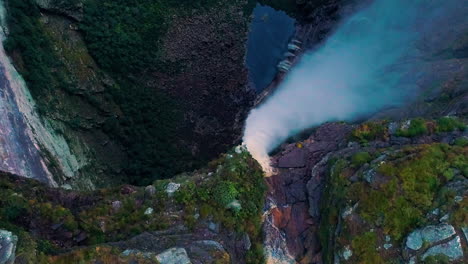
{"type": "Point", "coordinates": [7, 247]}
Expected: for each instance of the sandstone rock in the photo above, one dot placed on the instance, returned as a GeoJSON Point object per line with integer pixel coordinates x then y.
{"type": "Point", "coordinates": [149, 211]}
{"type": "Point", "coordinates": [127, 189]}
{"type": "Point", "coordinates": [294, 159]}
{"type": "Point", "coordinates": [234, 205]}
{"type": "Point", "coordinates": [213, 226]}
{"type": "Point", "coordinates": [348, 211]}
{"type": "Point", "coordinates": [150, 190]}
{"type": "Point", "coordinates": [207, 251]}
{"type": "Point", "coordinates": [444, 218]}
{"type": "Point", "coordinates": [346, 253]}
{"type": "Point", "coordinates": [429, 234]}
{"type": "Point", "coordinates": [452, 249]}
{"type": "Point", "coordinates": [174, 256]}
{"type": "Point", "coordinates": [116, 205]}
{"type": "Point", "coordinates": [465, 232]}
{"type": "Point", "coordinates": [172, 187]}
{"type": "Point", "coordinates": [7, 247]}
{"type": "Point", "coordinates": [66, 187]}
{"type": "Point", "coordinates": [246, 241]}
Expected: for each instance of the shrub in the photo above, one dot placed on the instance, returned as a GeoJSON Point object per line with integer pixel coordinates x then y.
{"type": "Point", "coordinates": [225, 192]}
{"type": "Point", "coordinates": [364, 248]}
{"type": "Point", "coordinates": [371, 131]}
{"type": "Point", "coordinates": [417, 127]}
{"type": "Point", "coordinates": [360, 158]}
{"type": "Point", "coordinates": [448, 124]}
{"type": "Point", "coordinates": [461, 142]}
{"type": "Point", "coordinates": [438, 259]}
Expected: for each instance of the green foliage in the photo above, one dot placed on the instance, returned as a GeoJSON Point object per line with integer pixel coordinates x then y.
{"type": "Point", "coordinates": [13, 206]}
{"type": "Point", "coordinates": [123, 35]}
{"type": "Point", "coordinates": [364, 248]}
{"type": "Point", "coordinates": [370, 131]}
{"type": "Point", "coordinates": [409, 187]}
{"type": "Point", "coordinates": [225, 192]}
{"type": "Point", "coordinates": [238, 177]}
{"type": "Point", "coordinates": [460, 216]}
{"type": "Point", "coordinates": [438, 259]}
{"type": "Point", "coordinates": [149, 131]}
{"type": "Point", "coordinates": [461, 142]}
{"type": "Point", "coordinates": [360, 158]}
{"type": "Point", "coordinates": [417, 127]}
{"type": "Point", "coordinates": [46, 246]}
{"type": "Point", "coordinates": [40, 67]}
{"type": "Point", "coordinates": [449, 124]}
{"type": "Point", "coordinates": [332, 200]}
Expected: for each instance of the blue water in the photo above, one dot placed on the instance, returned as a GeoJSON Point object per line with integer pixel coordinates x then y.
{"type": "Point", "coordinates": [270, 31]}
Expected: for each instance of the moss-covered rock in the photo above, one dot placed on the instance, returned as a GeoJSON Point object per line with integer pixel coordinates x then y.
{"type": "Point", "coordinates": [407, 184]}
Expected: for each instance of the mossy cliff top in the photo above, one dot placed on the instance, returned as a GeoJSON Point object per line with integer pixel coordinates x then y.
{"type": "Point", "coordinates": [221, 204]}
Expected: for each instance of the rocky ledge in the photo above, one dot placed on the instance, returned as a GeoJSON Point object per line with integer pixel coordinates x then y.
{"type": "Point", "coordinates": [370, 193]}
{"type": "Point", "coordinates": [208, 216]}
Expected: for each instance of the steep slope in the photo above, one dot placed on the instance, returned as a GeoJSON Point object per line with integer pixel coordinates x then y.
{"type": "Point", "coordinates": [106, 89]}
{"type": "Point", "coordinates": [208, 216]}
{"type": "Point", "coordinates": [346, 187]}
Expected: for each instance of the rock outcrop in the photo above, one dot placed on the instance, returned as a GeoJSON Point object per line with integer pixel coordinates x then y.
{"type": "Point", "coordinates": [308, 222]}
{"type": "Point", "coordinates": [129, 224]}
{"type": "Point", "coordinates": [7, 247]}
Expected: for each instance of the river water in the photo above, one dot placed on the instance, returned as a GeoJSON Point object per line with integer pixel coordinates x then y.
{"type": "Point", "coordinates": [270, 32]}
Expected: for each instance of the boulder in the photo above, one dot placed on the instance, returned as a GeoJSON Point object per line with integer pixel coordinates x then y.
{"type": "Point", "coordinates": [116, 205]}
{"type": "Point", "coordinates": [452, 249]}
{"type": "Point", "coordinates": [429, 234]}
{"type": "Point", "coordinates": [172, 187]}
{"type": "Point", "coordinates": [7, 247]}
{"type": "Point", "coordinates": [149, 211]}
{"type": "Point", "coordinates": [150, 190]}
{"type": "Point", "coordinates": [174, 256]}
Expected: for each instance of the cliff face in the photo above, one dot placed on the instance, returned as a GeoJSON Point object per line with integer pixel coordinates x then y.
{"type": "Point", "coordinates": [373, 192]}
{"type": "Point", "coordinates": [353, 194]}
{"type": "Point", "coordinates": [196, 90]}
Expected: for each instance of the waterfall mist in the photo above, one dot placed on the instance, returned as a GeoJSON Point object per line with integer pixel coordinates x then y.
{"type": "Point", "coordinates": [369, 62]}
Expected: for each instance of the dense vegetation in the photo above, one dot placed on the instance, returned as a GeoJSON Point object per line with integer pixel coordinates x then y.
{"type": "Point", "coordinates": [40, 215]}
{"type": "Point", "coordinates": [411, 184]}
{"type": "Point", "coordinates": [124, 39]}
{"type": "Point", "coordinates": [123, 35]}
{"type": "Point", "coordinates": [237, 179]}
{"type": "Point", "coordinates": [39, 65]}
{"type": "Point", "coordinates": [148, 129]}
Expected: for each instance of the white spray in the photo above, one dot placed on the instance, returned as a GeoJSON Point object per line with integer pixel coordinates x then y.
{"type": "Point", "coordinates": [368, 63]}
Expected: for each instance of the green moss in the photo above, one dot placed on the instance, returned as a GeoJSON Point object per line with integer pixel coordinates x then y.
{"type": "Point", "coordinates": [460, 216]}
{"type": "Point", "coordinates": [225, 192]}
{"type": "Point", "coordinates": [371, 131]}
{"type": "Point", "coordinates": [410, 185]}
{"type": "Point", "coordinates": [364, 249]}
{"type": "Point", "coordinates": [449, 124]}
{"type": "Point", "coordinates": [239, 177]}
{"type": "Point", "coordinates": [417, 127]}
{"type": "Point", "coordinates": [333, 199]}
{"type": "Point", "coordinates": [360, 159]}
{"type": "Point", "coordinates": [438, 259]}
{"type": "Point", "coordinates": [461, 142]}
